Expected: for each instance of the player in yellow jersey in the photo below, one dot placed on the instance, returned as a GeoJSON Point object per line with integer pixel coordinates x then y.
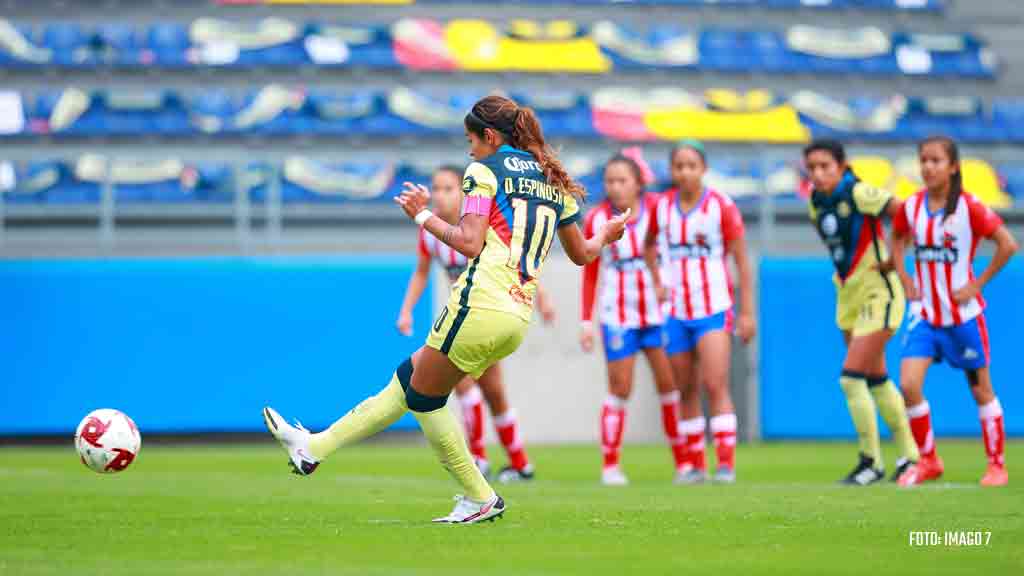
{"type": "Point", "coordinates": [870, 303]}
{"type": "Point", "coordinates": [518, 198]}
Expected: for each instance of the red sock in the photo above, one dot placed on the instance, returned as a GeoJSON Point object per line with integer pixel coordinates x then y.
{"type": "Point", "coordinates": [723, 429]}
{"type": "Point", "coordinates": [670, 422]}
{"type": "Point", "coordinates": [921, 426]}
{"type": "Point", "coordinates": [693, 432]}
{"type": "Point", "coordinates": [993, 432]}
{"type": "Point", "coordinates": [508, 431]}
{"type": "Point", "coordinates": [473, 420]}
{"type": "Point", "coordinates": [613, 421]}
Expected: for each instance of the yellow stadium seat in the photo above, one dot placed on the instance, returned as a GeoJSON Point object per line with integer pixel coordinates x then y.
{"type": "Point", "coordinates": [780, 124]}
{"type": "Point", "coordinates": [477, 45]}
{"type": "Point", "coordinates": [874, 170]}
{"type": "Point", "coordinates": [981, 180]}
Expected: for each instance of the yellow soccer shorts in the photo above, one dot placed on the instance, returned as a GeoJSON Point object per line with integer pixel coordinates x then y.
{"type": "Point", "coordinates": [473, 338]}
{"type": "Point", "coordinates": [869, 303]}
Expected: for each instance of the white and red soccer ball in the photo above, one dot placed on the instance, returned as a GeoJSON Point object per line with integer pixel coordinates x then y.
{"type": "Point", "coordinates": [107, 441]}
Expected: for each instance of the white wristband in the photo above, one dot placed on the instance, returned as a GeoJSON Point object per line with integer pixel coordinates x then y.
{"type": "Point", "coordinates": [422, 216]}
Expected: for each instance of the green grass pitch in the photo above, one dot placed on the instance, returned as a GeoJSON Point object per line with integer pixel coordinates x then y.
{"type": "Point", "coordinates": [233, 509]}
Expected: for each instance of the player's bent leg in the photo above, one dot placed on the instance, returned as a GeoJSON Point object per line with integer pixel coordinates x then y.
{"type": "Point", "coordinates": [993, 430]}
{"type": "Point", "coordinates": [714, 349]}
{"type": "Point", "coordinates": [669, 396]}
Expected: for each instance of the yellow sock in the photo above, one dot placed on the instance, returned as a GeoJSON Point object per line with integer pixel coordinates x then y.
{"type": "Point", "coordinates": [444, 433]}
{"type": "Point", "coordinates": [369, 417]}
{"type": "Point", "coordinates": [894, 413]}
{"type": "Point", "coordinates": [862, 411]}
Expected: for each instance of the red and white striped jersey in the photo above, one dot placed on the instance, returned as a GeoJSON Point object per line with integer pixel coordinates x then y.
{"type": "Point", "coordinates": [943, 254]}
{"type": "Point", "coordinates": [693, 246]}
{"type": "Point", "coordinates": [627, 288]}
{"type": "Point", "coordinates": [450, 259]}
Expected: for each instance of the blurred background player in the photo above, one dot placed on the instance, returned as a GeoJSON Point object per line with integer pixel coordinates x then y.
{"type": "Point", "coordinates": [518, 197]}
{"type": "Point", "coordinates": [695, 228]}
{"type": "Point", "coordinates": [446, 201]}
{"type": "Point", "coordinates": [945, 224]}
{"type": "Point", "coordinates": [870, 303]}
{"type": "Point", "coordinates": [630, 316]}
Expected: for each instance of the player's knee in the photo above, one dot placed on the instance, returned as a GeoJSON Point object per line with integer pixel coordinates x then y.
{"type": "Point", "coordinates": [878, 380]}
{"type": "Point", "coordinates": [416, 401]}
{"type": "Point", "coordinates": [404, 373]}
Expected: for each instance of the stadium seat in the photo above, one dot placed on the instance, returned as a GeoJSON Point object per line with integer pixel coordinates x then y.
{"type": "Point", "coordinates": [664, 46]}
{"type": "Point", "coordinates": [269, 42]}
{"type": "Point", "coordinates": [420, 112]}
{"type": "Point", "coordinates": [561, 112]}
{"type": "Point", "coordinates": [69, 44]}
{"type": "Point", "coordinates": [1013, 176]}
{"type": "Point", "coordinates": [728, 51]}
{"type": "Point", "coordinates": [527, 46]}
{"type": "Point", "coordinates": [757, 116]}
{"type": "Point", "coordinates": [619, 113]}
{"type": "Point", "coordinates": [1009, 114]}
{"type": "Point", "coordinates": [308, 181]}
{"type": "Point", "coordinates": [961, 118]}
{"type": "Point", "coordinates": [121, 45]}
{"type": "Point", "coordinates": [210, 182]}
{"type": "Point", "coordinates": [273, 109]}
{"type": "Point", "coordinates": [170, 44]}
{"type": "Point", "coordinates": [333, 113]}
{"type": "Point", "coordinates": [18, 48]}
{"type": "Point", "coordinates": [361, 46]}
{"type": "Point", "coordinates": [55, 182]}
{"type": "Point", "coordinates": [213, 112]}
{"type": "Point", "coordinates": [419, 44]}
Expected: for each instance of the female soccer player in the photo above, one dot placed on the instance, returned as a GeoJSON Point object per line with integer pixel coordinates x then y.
{"type": "Point", "coordinates": [945, 224]}
{"type": "Point", "coordinates": [631, 318]}
{"type": "Point", "coordinates": [446, 200]}
{"type": "Point", "coordinates": [695, 228]}
{"type": "Point", "coordinates": [869, 302]}
{"type": "Point", "coordinates": [518, 196]}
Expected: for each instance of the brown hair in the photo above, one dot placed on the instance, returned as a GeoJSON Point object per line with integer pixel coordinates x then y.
{"type": "Point", "coordinates": [633, 166]}
{"type": "Point", "coordinates": [521, 129]}
{"type": "Point", "coordinates": [956, 181]}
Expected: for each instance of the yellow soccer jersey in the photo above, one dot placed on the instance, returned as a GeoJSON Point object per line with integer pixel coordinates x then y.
{"type": "Point", "coordinates": [849, 223]}
{"type": "Point", "coordinates": [525, 214]}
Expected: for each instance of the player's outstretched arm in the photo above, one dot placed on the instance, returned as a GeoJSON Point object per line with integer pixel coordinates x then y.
{"type": "Point", "coordinates": [417, 282]}
{"type": "Point", "coordinates": [583, 251]}
{"type": "Point", "coordinates": [466, 237]}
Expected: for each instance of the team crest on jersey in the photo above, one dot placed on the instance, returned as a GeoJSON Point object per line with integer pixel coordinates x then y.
{"type": "Point", "coordinates": [843, 209]}
{"type": "Point", "coordinates": [468, 183]}
{"type": "Point", "coordinates": [829, 225]}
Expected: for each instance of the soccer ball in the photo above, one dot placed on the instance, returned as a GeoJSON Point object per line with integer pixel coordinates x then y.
{"type": "Point", "coordinates": [107, 440]}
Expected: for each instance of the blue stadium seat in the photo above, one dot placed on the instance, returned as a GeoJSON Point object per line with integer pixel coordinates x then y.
{"type": "Point", "coordinates": [366, 46]}
{"type": "Point", "coordinates": [1010, 115]}
{"type": "Point", "coordinates": [408, 112]}
{"type": "Point", "coordinates": [70, 44]}
{"type": "Point", "coordinates": [335, 183]}
{"type": "Point", "coordinates": [334, 113]}
{"type": "Point", "coordinates": [212, 182]}
{"type": "Point", "coordinates": [213, 112]}
{"type": "Point", "coordinates": [962, 119]}
{"type": "Point", "coordinates": [769, 53]}
{"type": "Point", "coordinates": [169, 43]}
{"type": "Point", "coordinates": [61, 185]}
{"type": "Point", "coordinates": [290, 119]}
{"type": "Point", "coordinates": [38, 55]}
{"type": "Point", "coordinates": [728, 50]}
{"type": "Point", "coordinates": [121, 45]}
{"type": "Point", "coordinates": [563, 113]}
{"type": "Point", "coordinates": [1014, 178]}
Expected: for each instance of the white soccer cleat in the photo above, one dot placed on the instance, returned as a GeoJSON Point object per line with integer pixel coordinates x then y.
{"type": "Point", "coordinates": [614, 477]}
{"type": "Point", "coordinates": [295, 440]}
{"type": "Point", "coordinates": [468, 511]}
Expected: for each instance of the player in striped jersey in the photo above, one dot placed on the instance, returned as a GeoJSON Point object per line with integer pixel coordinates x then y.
{"type": "Point", "coordinates": [630, 317]}
{"type": "Point", "coordinates": [945, 224]}
{"type": "Point", "coordinates": [695, 228]}
{"type": "Point", "coordinates": [446, 200]}
{"type": "Point", "coordinates": [519, 197]}
{"type": "Point", "coordinates": [847, 215]}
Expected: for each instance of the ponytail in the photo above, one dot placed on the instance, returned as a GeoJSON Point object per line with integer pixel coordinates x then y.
{"type": "Point", "coordinates": [527, 135]}
{"type": "Point", "coordinates": [956, 187]}
{"type": "Point", "coordinates": [521, 129]}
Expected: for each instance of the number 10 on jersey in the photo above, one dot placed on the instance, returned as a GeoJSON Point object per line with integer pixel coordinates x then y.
{"type": "Point", "coordinates": [534, 240]}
